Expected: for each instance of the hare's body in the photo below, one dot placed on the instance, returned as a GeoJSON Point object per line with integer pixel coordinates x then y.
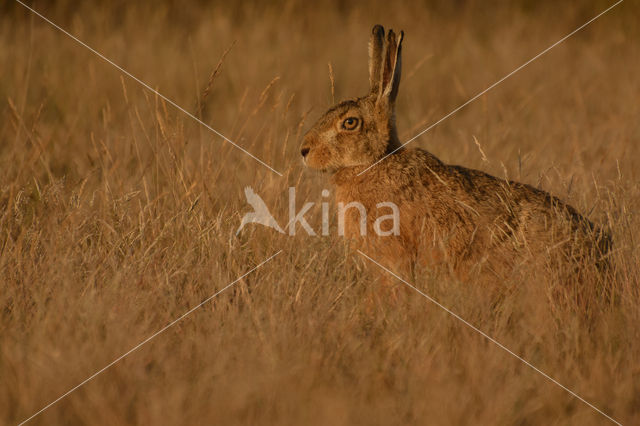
{"type": "Point", "coordinates": [464, 218]}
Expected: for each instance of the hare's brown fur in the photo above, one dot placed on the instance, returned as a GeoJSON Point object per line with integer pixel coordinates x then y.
{"type": "Point", "coordinates": [449, 214]}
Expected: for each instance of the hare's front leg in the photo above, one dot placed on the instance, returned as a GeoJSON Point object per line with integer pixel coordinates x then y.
{"type": "Point", "coordinates": [392, 264]}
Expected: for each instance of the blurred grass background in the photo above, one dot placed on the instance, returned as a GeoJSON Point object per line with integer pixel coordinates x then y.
{"type": "Point", "coordinates": [118, 214]}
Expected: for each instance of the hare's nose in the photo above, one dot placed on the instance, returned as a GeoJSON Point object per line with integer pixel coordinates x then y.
{"type": "Point", "coordinates": [304, 151]}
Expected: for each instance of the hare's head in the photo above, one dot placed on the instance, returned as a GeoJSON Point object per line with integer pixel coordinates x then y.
{"type": "Point", "coordinates": [358, 132]}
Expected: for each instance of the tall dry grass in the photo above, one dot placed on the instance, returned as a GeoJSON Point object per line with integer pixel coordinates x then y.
{"type": "Point", "coordinates": [118, 214]}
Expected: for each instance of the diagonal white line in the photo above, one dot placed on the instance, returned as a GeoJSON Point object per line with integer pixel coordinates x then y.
{"type": "Point", "coordinates": [146, 86]}
{"type": "Point", "coordinates": [492, 340]}
{"type": "Point", "coordinates": [493, 85]}
{"type": "Point", "coordinates": [145, 341]}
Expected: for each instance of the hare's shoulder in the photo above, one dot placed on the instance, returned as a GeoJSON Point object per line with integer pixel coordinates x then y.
{"type": "Point", "coordinates": [427, 169]}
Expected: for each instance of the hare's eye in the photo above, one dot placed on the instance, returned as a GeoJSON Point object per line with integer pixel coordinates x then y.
{"type": "Point", "coordinates": [350, 123]}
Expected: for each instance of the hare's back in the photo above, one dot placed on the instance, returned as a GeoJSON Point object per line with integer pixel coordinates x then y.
{"type": "Point", "coordinates": [514, 207]}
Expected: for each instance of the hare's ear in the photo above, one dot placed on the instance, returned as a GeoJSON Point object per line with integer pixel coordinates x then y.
{"type": "Point", "coordinates": [376, 45]}
{"type": "Point", "coordinates": [391, 68]}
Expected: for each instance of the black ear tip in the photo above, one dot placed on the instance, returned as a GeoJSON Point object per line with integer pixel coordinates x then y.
{"type": "Point", "coordinates": [377, 29]}
{"type": "Point", "coordinates": [391, 36]}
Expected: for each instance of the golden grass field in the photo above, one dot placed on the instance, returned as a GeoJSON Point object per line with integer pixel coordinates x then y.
{"type": "Point", "coordinates": [118, 214]}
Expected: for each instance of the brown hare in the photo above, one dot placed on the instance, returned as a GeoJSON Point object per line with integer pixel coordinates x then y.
{"type": "Point", "coordinates": [465, 219]}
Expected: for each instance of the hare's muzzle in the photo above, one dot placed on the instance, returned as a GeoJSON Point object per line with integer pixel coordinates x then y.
{"type": "Point", "coordinates": [308, 150]}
